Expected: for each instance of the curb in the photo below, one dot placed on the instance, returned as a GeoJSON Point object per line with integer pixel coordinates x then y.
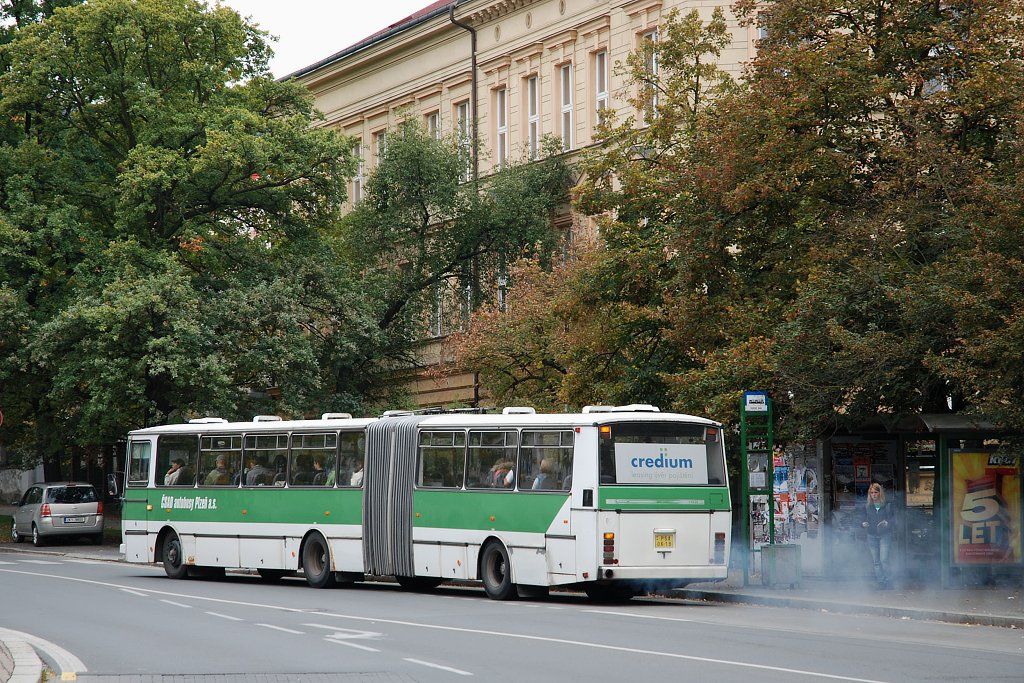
{"type": "Point", "coordinates": [853, 608]}
{"type": "Point", "coordinates": [26, 667]}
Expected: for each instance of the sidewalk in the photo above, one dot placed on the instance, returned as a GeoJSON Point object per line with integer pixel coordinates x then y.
{"type": "Point", "coordinates": [988, 606]}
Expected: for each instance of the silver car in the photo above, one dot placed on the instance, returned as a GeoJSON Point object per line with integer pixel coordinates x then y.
{"type": "Point", "coordinates": [59, 509]}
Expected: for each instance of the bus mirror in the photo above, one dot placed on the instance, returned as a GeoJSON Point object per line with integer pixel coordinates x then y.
{"type": "Point", "coordinates": [112, 488]}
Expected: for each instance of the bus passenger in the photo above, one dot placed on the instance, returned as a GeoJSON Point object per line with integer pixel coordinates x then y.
{"type": "Point", "coordinates": [257, 474]}
{"type": "Point", "coordinates": [357, 476]}
{"type": "Point", "coordinates": [178, 474]}
{"type": "Point", "coordinates": [219, 476]}
{"type": "Point", "coordinates": [546, 479]}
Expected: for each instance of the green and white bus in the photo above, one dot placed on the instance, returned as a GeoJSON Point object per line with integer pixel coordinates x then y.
{"type": "Point", "coordinates": [611, 499]}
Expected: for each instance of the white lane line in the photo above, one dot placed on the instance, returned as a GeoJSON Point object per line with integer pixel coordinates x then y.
{"type": "Point", "coordinates": [65, 661]}
{"type": "Point", "coordinates": [351, 644]}
{"type": "Point", "coordinates": [177, 604]}
{"type": "Point", "coordinates": [40, 562]}
{"type": "Point", "coordinates": [457, 629]}
{"type": "Point", "coordinates": [549, 607]}
{"type": "Point", "coordinates": [224, 616]}
{"type": "Point", "coordinates": [77, 561]}
{"type": "Point", "coordinates": [141, 595]}
{"type": "Point", "coordinates": [638, 616]}
{"type": "Point", "coordinates": [2, 562]}
{"type": "Point", "coordinates": [282, 628]}
{"type": "Point", "coordinates": [437, 666]}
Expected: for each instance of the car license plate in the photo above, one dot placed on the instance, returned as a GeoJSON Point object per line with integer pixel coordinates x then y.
{"type": "Point", "coordinates": [664, 540]}
{"type": "Point", "coordinates": [74, 520]}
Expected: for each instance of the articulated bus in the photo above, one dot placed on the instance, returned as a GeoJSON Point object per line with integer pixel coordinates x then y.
{"type": "Point", "coordinates": [610, 500]}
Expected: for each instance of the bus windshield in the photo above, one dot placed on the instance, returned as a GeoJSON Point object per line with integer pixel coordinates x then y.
{"type": "Point", "coordinates": [662, 454]}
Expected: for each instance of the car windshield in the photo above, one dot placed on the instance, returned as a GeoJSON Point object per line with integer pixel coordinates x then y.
{"type": "Point", "coordinates": [66, 495]}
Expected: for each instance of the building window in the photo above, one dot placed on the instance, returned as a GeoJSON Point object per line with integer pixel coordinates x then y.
{"type": "Point", "coordinates": [380, 145]}
{"type": "Point", "coordinates": [357, 181]}
{"type": "Point", "coordinates": [501, 120]}
{"type": "Point", "coordinates": [565, 80]}
{"type": "Point", "coordinates": [600, 83]}
{"type": "Point", "coordinates": [463, 124]}
{"type": "Point", "coordinates": [433, 121]}
{"type": "Point", "coordinates": [648, 40]}
{"type": "Point", "coordinates": [533, 116]}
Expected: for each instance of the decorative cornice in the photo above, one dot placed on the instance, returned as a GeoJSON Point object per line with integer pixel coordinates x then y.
{"type": "Point", "coordinates": [500, 62]}
{"type": "Point", "coordinates": [560, 39]}
{"type": "Point", "coordinates": [592, 27]}
{"type": "Point", "coordinates": [640, 6]}
{"type": "Point", "coordinates": [496, 10]}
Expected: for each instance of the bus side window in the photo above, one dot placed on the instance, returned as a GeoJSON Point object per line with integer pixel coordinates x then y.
{"type": "Point", "coordinates": [545, 461]}
{"type": "Point", "coordinates": [138, 463]}
{"type": "Point", "coordinates": [350, 459]}
{"type": "Point", "coordinates": [442, 460]}
{"type": "Point", "coordinates": [176, 459]}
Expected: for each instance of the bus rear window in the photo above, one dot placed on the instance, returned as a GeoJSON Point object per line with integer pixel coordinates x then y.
{"type": "Point", "coordinates": [662, 454]}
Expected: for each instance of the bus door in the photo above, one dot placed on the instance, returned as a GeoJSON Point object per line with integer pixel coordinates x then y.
{"type": "Point", "coordinates": [663, 496]}
{"type": "Point", "coordinates": [137, 506]}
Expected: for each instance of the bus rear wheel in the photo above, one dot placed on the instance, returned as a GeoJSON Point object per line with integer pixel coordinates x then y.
{"type": "Point", "coordinates": [496, 572]}
{"type": "Point", "coordinates": [316, 562]}
{"type": "Point", "coordinates": [171, 556]}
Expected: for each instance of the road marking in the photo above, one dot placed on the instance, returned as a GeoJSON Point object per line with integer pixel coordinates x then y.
{"type": "Point", "coordinates": [437, 666]}
{"type": "Point", "coordinates": [65, 661]}
{"type": "Point", "coordinates": [177, 604]}
{"type": "Point", "coordinates": [141, 595]}
{"type": "Point", "coordinates": [355, 645]}
{"type": "Point", "coordinates": [345, 633]}
{"type": "Point", "coordinates": [501, 634]}
{"type": "Point", "coordinates": [282, 628]}
{"type": "Point", "coordinates": [2, 562]}
{"type": "Point", "coordinates": [638, 616]}
{"type": "Point", "coordinates": [40, 562]}
{"type": "Point", "coordinates": [77, 561]}
{"type": "Point", "coordinates": [224, 616]}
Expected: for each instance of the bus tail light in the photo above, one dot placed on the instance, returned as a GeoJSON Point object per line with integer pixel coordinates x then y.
{"type": "Point", "coordinates": [609, 548]}
{"type": "Point", "coordinates": [719, 548]}
{"type": "Point", "coordinates": [45, 510]}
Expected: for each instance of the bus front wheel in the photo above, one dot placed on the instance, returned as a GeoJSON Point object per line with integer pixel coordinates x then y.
{"type": "Point", "coordinates": [171, 555]}
{"type": "Point", "coordinates": [316, 562]}
{"type": "Point", "coordinates": [496, 572]}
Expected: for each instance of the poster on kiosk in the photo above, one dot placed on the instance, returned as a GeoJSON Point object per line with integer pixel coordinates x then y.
{"type": "Point", "coordinates": [985, 508]}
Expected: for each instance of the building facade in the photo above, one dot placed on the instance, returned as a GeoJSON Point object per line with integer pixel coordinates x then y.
{"type": "Point", "coordinates": [543, 68]}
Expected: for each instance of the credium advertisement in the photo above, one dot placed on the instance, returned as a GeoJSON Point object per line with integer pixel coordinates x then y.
{"type": "Point", "coordinates": [986, 508]}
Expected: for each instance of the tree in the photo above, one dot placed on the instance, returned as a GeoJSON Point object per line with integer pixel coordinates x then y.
{"type": "Point", "coordinates": [838, 227]}
{"type": "Point", "coordinates": [163, 203]}
{"type": "Point", "coordinates": [423, 234]}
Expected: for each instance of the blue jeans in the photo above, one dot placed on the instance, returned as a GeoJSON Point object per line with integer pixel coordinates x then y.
{"type": "Point", "coordinates": [879, 546]}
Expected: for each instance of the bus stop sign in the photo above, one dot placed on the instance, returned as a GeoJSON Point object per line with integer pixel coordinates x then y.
{"type": "Point", "coordinates": [755, 401]}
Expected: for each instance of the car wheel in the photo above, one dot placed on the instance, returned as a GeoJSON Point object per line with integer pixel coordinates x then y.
{"type": "Point", "coordinates": [496, 572]}
{"type": "Point", "coordinates": [316, 562]}
{"type": "Point", "coordinates": [37, 540]}
{"type": "Point", "coordinates": [15, 536]}
{"type": "Point", "coordinates": [173, 559]}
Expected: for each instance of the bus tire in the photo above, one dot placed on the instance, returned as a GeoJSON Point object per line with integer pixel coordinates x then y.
{"type": "Point", "coordinates": [316, 562]}
{"type": "Point", "coordinates": [496, 572]}
{"type": "Point", "coordinates": [418, 583]}
{"type": "Point", "coordinates": [273, 575]}
{"type": "Point", "coordinates": [172, 557]}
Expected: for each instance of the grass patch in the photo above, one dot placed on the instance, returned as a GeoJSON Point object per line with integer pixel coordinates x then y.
{"type": "Point", "coordinates": [6, 522]}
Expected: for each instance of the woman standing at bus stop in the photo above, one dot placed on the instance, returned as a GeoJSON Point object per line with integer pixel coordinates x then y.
{"type": "Point", "coordinates": [879, 521]}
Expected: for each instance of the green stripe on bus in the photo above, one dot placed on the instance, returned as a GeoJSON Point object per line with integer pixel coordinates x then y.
{"type": "Point", "coordinates": [270, 505]}
{"type": "Point", "coordinates": [663, 498]}
{"type": "Point", "coordinates": [486, 510]}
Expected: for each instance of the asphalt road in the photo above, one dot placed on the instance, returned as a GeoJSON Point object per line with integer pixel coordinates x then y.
{"type": "Point", "coordinates": [130, 621]}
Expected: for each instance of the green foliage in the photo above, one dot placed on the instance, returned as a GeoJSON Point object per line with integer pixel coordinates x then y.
{"type": "Point", "coordinates": [165, 216]}
{"type": "Point", "coordinates": [421, 225]}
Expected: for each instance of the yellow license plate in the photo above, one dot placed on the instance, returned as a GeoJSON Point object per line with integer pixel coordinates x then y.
{"type": "Point", "coordinates": [664, 540]}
